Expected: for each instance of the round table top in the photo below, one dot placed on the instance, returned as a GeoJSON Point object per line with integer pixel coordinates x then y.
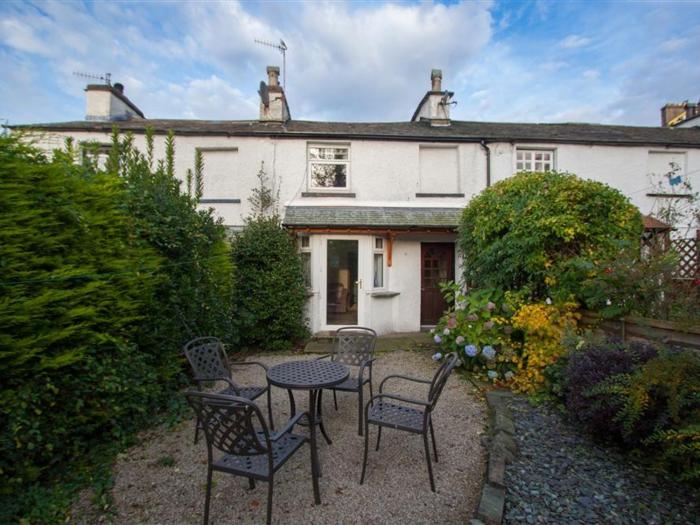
{"type": "Point", "coordinates": [307, 374]}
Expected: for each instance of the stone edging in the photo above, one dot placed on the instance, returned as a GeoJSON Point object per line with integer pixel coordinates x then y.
{"type": "Point", "coordinates": [502, 449]}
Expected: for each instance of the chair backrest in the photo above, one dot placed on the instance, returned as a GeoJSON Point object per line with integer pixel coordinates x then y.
{"type": "Point", "coordinates": [230, 423]}
{"type": "Point", "coordinates": [353, 345]}
{"type": "Point", "coordinates": [207, 358]}
{"type": "Point", "coordinates": [440, 378]}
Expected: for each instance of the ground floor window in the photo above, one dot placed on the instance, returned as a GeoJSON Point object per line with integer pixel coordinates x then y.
{"type": "Point", "coordinates": [305, 252]}
{"type": "Point", "coordinates": [378, 263]}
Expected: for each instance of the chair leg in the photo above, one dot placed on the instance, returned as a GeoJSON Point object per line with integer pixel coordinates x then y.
{"type": "Point", "coordinates": [207, 500]}
{"type": "Point", "coordinates": [427, 458]}
{"type": "Point", "coordinates": [432, 435]}
{"type": "Point", "coordinates": [270, 486]}
{"type": "Point", "coordinates": [269, 408]}
{"type": "Point", "coordinates": [335, 400]}
{"type": "Point", "coordinates": [196, 432]}
{"type": "Point", "coordinates": [379, 436]}
{"type": "Point", "coordinates": [251, 483]}
{"type": "Point", "coordinates": [359, 412]}
{"type": "Point", "coordinates": [364, 461]}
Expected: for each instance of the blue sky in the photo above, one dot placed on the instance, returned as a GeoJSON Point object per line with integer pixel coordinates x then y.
{"type": "Point", "coordinates": [529, 61]}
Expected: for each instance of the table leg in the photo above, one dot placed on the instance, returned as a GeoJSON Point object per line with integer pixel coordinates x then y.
{"type": "Point", "coordinates": [315, 467]}
{"type": "Point", "coordinates": [292, 404]}
{"type": "Point", "coordinates": [320, 418]}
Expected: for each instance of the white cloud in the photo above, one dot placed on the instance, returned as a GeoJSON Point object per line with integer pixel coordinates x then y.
{"type": "Point", "coordinates": [22, 37]}
{"type": "Point", "coordinates": [591, 74]}
{"type": "Point", "coordinates": [674, 44]}
{"type": "Point", "coordinates": [574, 42]}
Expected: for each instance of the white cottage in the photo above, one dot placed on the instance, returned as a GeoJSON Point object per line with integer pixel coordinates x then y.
{"type": "Point", "coordinates": [375, 205]}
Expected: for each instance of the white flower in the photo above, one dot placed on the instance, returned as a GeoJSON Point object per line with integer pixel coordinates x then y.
{"type": "Point", "coordinates": [508, 375]}
{"type": "Point", "coordinates": [492, 374]}
{"type": "Point", "coordinates": [437, 356]}
{"type": "Point", "coordinates": [548, 301]}
{"type": "Point", "coordinates": [608, 302]}
{"type": "Point", "coordinates": [446, 331]}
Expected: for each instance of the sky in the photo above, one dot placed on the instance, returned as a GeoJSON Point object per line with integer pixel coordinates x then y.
{"type": "Point", "coordinates": [525, 61]}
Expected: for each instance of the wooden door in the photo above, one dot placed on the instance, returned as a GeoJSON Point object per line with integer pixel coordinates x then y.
{"type": "Point", "coordinates": [436, 266]}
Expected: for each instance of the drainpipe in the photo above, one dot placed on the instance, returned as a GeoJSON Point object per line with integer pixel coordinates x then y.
{"type": "Point", "coordinates": [488, 162]}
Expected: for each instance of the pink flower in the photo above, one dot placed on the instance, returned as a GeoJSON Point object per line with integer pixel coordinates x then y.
{"type": "Point", "coordinates": [452, 322]}
{"type": "Point", "coordinates": [472, 317]}
{"type": "Point", "coordinates": [488, 325]}
{"type": "Point", "coordinates": [490, 306]}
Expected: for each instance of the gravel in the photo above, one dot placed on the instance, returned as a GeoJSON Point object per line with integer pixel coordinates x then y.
{"type": "Point", "coordinates": [561, 476]}
{"type": "Point", "coordinates": [162, 480]}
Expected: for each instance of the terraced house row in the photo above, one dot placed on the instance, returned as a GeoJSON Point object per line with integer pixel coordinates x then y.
{"type": "Point", "coordinates": [375, 205]}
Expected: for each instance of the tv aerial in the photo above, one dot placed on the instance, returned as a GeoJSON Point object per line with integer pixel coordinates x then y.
{"type": "Point", "coordinates": [282, 48]}
{"type": "Point", "coordinates": [106, 78]}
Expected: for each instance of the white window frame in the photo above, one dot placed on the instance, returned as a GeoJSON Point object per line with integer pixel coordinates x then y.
{"type": "Point", "coordinates": [310, 162]}
{"type": "Point", "coordinates": [379, 251]}
{"type": "Point", "coordinates": [530, 163]}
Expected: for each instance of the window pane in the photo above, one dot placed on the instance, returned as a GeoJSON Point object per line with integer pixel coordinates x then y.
{"type": "Point", "coordinates": [520, 166]}
{"type": "Point", "coordinates": [538, 166]}
{"type": "Point", "coordinates": [378, 243]}
{"type": "Point", "coordinates": [520, 155]}
{"type": "Point", "coordinates": [306, 268]}
{"type": "Point", "coordinates": [378, 270]}
{"type": "Point", "coordinates": [329, 175]}
{"type": "Point", "coordinates": [538, 156]}
{"type": "Point", "coordinates": [319, 153]}
{"type": "Point", "coordinates": [304, 242]}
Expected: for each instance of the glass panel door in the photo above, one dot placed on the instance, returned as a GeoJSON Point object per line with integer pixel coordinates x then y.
{"type": "Point", "coordinates": [341, 285]}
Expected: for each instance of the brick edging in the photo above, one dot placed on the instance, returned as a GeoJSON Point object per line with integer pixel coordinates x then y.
{"type": "Point", "coordinates": [502, 449]}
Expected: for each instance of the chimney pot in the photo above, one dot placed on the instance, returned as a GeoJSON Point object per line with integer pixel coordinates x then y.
{"type": "Point", "coordinates": [119, 88]}
{"type": "Point", "coordinates": [273, 73]}
{"type": "Point", "coordinates": [436, 79]}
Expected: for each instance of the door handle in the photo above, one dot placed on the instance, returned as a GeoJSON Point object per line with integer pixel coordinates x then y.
{"type": "Point", "coordinates": [359, 283]}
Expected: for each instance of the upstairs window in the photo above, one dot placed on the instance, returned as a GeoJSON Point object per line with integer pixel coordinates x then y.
{"type": "Point", "coordinates": [534, 160]}
{"type": "Point", "coordinates": [329, 166]}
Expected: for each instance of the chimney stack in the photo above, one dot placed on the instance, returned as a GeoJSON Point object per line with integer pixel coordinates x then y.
{"type": "Point", "coordinates": [273, 102]}
{"type": "Point", "coordinates": [672, 112]}
{"type": "Point", "coordinates": [436, 79]}
{"type": "Point", "coordinates": [108, 103]}
{"type": "Point", "coordinates": [435, 105]}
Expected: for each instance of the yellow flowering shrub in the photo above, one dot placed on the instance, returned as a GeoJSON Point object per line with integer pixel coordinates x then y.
{"type": "Point", "coordinates": [543, 326]}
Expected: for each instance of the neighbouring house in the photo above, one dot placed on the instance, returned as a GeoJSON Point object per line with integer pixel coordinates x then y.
{"type": "Point", "coordinates": [681, 114]}
{"type": "Point", "coordinates": [375, 205]}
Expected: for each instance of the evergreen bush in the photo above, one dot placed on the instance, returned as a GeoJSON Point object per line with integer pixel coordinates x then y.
{"type": "Point", "coordinates": [271, 293]}
{"type": "Point", "coordinates": [532, 231]}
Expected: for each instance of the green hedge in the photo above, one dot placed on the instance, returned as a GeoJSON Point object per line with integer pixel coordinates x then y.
{"type": "Point", "coordinates": [270, 291]}
{"type": "Point", "coordinates": [104, 274]}
{"type": "Point", "coordinates": [533, 232]}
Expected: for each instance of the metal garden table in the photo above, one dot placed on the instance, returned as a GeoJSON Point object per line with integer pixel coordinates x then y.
{"type": "Point", "coordinates": [313, 376]}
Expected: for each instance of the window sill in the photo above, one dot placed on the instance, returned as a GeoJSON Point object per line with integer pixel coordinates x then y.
{"type": "Point", "coordinates": [327, 194]}
{"type": "Point", "coordinates": [219, 201]}
{"type": "Point", "coordinates": [384, 294]}
{"type": "Point", "coordinates": [421, 195]}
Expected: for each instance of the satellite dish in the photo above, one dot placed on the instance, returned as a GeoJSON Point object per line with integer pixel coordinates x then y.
{"type": "Point", "coordinates": [264, 93]}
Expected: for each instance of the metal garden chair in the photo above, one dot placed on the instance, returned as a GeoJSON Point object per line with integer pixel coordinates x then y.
{"type": "Point", "coordinates": [235, 427]}
{"type": "Point", "coordinates": [210, 363]}
{"type": "Point", "coordinates": [384, 411]}
{"type": "Point", "coordinates": [354, 346]}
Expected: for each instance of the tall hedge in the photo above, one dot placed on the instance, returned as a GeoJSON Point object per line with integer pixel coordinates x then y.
{"type": "Point", "coordinates": [270, 291]}
{"type": "Point", "coordinates": [536, 231]}
{"type": "Point", "coordinates": [74, 285]}
{"type": "Point", "coordinates": [104, 274]}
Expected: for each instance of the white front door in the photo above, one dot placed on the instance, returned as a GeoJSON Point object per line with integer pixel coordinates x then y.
{"type": "Point", "coordinates": [343, 287]}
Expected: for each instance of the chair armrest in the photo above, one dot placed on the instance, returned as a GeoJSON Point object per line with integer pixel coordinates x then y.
{"type": "Point", "coordinates": [407, 378]}
{"type": "Point", "coordinates": [228, 380]}
{"type": "Point", "coordinates": [397, 398]}
{"type": "Point", "coordinates": [323, 357]}
{"type": "Point", "coordinates": [238, 363]}
{"type": "Point", "coordinates": [288, 427]}
{"type": "Point", "coordinates": [366, 363]}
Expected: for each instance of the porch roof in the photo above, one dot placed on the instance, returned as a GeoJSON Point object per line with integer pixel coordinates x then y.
{"type": "Point", "coordinates": [372, 217]}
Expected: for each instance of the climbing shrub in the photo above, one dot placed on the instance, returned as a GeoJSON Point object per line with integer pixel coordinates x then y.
{"type": "Point", "coordinates": [531, 231]}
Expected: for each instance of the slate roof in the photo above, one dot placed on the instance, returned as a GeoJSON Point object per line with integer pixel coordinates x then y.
{"type": "Point", "coordinates": [371, 217]}
{"type": "Point", "coordinates": [459, 131]}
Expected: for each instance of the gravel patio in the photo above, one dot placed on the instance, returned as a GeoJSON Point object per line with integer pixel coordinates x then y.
{"type": "Point", "coordinates": [162, 480]}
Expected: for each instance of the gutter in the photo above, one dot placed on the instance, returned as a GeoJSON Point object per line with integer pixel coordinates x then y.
{"type": "Point", "coordinates": [488, 161]}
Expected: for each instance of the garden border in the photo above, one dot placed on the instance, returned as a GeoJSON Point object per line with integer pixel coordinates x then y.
{"type": "Point", "coordinates": [502, 449]}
